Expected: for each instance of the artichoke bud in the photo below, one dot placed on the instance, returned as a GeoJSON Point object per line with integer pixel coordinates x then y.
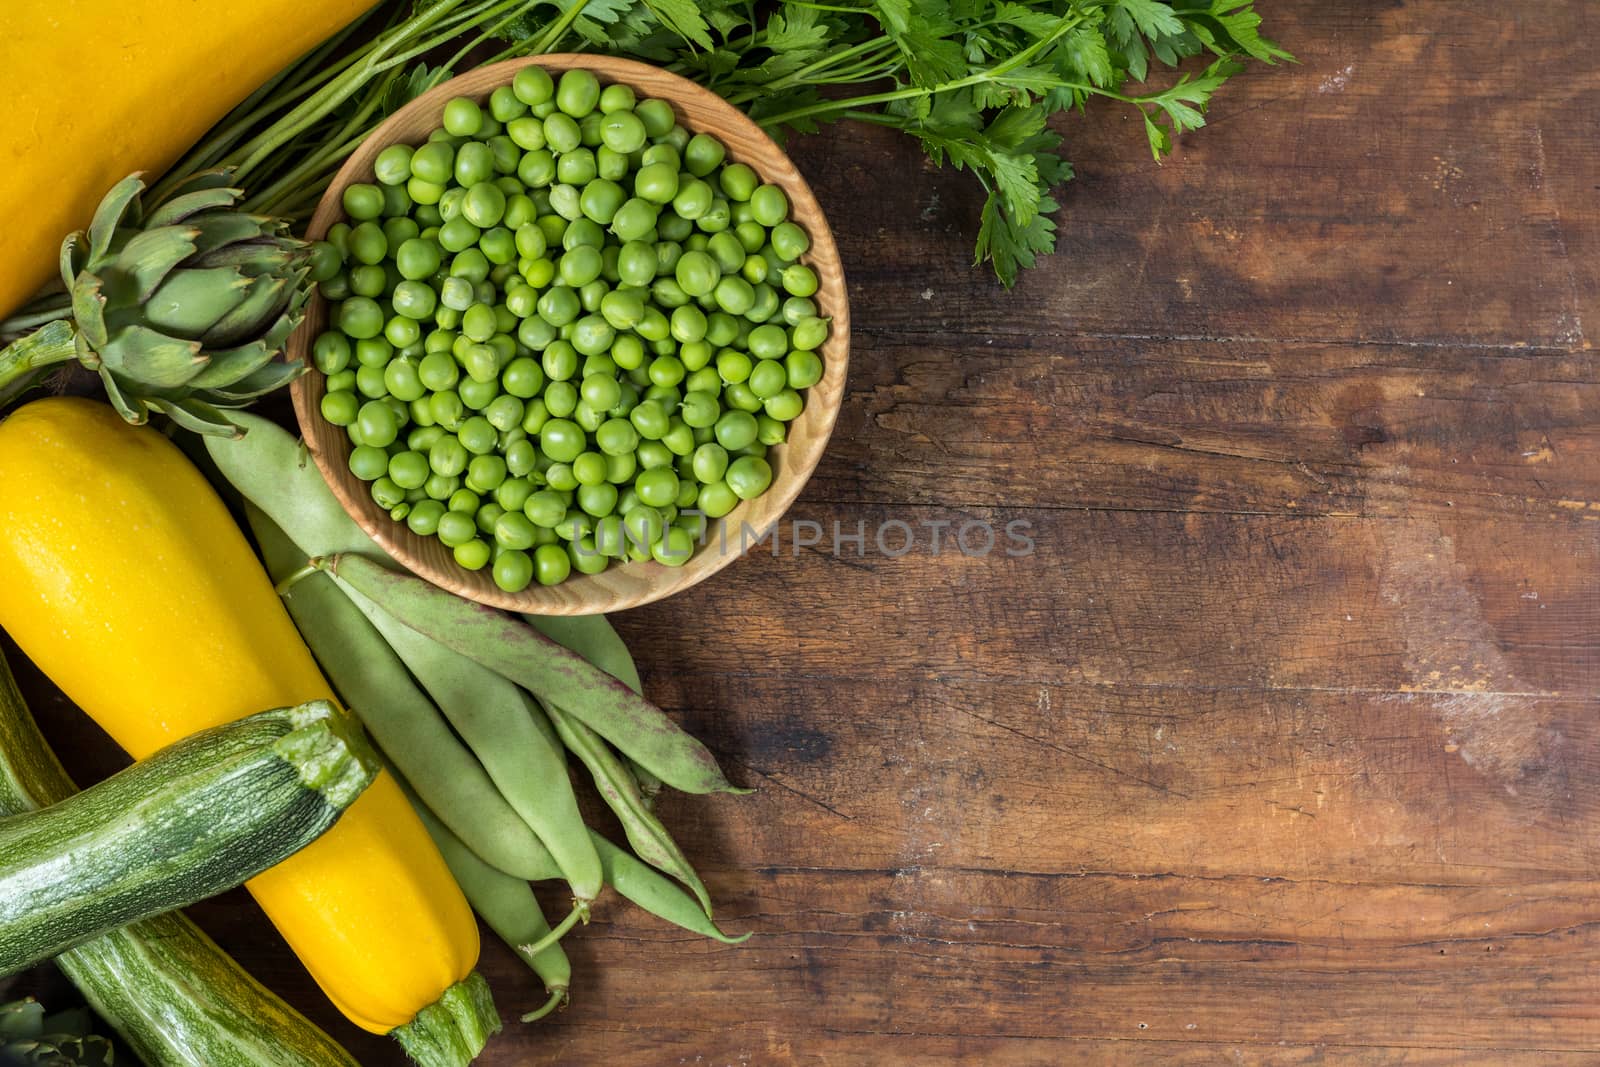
{"type": "Point", "coordinates": [184, 309]}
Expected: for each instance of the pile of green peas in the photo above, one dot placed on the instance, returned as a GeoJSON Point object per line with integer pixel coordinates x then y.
{"type": "Point", "coordinates": [565, 330]}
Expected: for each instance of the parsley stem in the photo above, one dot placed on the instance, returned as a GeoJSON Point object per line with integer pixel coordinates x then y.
{"type": "Point", "coordinates": [999, 70]}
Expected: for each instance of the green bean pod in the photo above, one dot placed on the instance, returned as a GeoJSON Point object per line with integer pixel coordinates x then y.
{"type": "Point", "coordinates": [491, 715]}
{"type": "Point", "coordinates": [515, 650]}
{"type": "Point", "coordinates": [505, 902]}
{"type": "Point", "coordinates": [400, 718]}
{"type": "Point", "coordinates": [656, 893]}
{"type": "Point", "coordinates": [596, 640]}
{"type": "Point", "coordinates": [646, 833]}
{"type": "Point", "coordinates": [270, 468]}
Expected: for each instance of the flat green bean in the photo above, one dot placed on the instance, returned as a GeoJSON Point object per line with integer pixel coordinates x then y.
{"type": "Point", "coordinates": [646, 833]}
{"type": "Point", "coordinates": [596, 640]}
{"type": "Point", "coordinates": [404, 723]}
{"type": "Point", "coordinates": [655, 893]}
{"type": "Point", "coordinates": [515, 650]}
{"type": "Point", "coordinates": [507, 904]}
{"type": "Point", "coordinates": [491, 715]}
{"type": "Point", "coordinates": [271, 468]}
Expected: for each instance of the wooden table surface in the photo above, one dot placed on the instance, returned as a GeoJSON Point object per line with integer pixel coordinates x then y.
{"type": "Point", "coordinates": [1282, 746]}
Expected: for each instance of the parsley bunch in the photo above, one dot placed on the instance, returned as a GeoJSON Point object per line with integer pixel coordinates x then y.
{"type": "Point", "coordinates": [975, 81]}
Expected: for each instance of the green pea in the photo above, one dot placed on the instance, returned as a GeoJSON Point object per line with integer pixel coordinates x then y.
{"type": "Point", "coordinates": [799, 279]}
{"type": "Point", "coordinates": [433, 163]}
{"type": "Point", "coordinates": [513, 570]}
{"type": "Point", "coordinates": [448, 457]}
{"type": "Point", "coordinates": [561, 133]}
{"type": "Point", "coordinates": [532, 85]}
{"type": "Point", "coordinates": [440, 487]}
{"type": "Point", "coordinates": [551, 566]}
{"type": "Point", "coordinates": [592, 334]}
{"type": "Point", "coordinates": [769, 205]}
{"type": "Point", "coordinates": [741, 397]}
{"type": "Point", "coordinates": [710, 462]}
{"type": "Point", "coordinates": [447, 408]}
{"type": "Point", "coordinates": [340, 408]}
{"type": "Point", "coordinates": [749, 477]}
{"type": "Point", "coordinates": [768, 378]}
{"type": "Point", "coordinates": [735, 429]}
{"type": "Point", "coordinates": [458, 234]}
{"type": "Point", "coordinates": [636, 263]}
{"type": "Point", "coordinates": [499, 247]}
{"type": "Point", "coordinates": [674, 548]}
{"type": "Point", "coordinates": [735, 295]}
{"type": "Point", "coordinates": [752, 238]}
{"type": "Point", "coordinates": [326, 261]}
{"type": "Point", "coordinates": [561, 440]}
{"type": "Point", "coordinates": [402, 381]}
{"type": "Point", "coordinates": [362, 201]}
{"type": "Point", "coordinates": [697, 273]}
{"type": "Point", "coordinates": [485, 473]}
{"type": "Point", "coordinates": [657, 183]}
{"type": "Point", "coordinates": [653, 454]}
{"type": "Point", "coordinates": [558, 306]}
{"type": "Point", "coordinates": [545, 508]}
{"type": "Point", "coordinates": [807, 334]}
{"type": "Point", "coordinates": [423, 519]}
{"type": "Point", "coordinates": [670, 226]}
{"type": "Point", "coordinates": [727, 251]}
{"type": "Point", "coordinates": [738, 181]}
{"type": "Point", "coordinates": [701, 409]}
{"type": "Point", "coordinates": [457, 528]}
{"type": "Point", "coordinates": [473, 555]}
{"type": "Point", "coordinates": [505, 413]}
{"type": "Point", "coordinates": [789, 241]}
{"type": "Point", "coordinates": [577, 167]}
{"type": "Point", "coordinates": [386, 494]}
{"type": "Point", "coordinates": [537, 168]}
{"type": "Point", "coordinates": [580, 266]}
{"type": "Point", "coordinates": [657, 117]}
{"type": "Point", "coordinates": [597, 500]}
{"type": "Point", "coordinates": [622, 131]}
{"type": "Point", "coordinates": [396, 203]}
{"type": "Point", "coordinates": [466, 502]}
{"type": "Point", "coordinates": [522, 458]}
{"type": "Point", "coordinates": [693, 199]}
{"type": "Point", "coordinates": [477, 436]}
{"type": "Point", "coordinates": [616, 437]}
{"type": "Point", "coordinates": [703, 154]}
{"type": "Point", "coordinates": [784, 406]}
{"type": "Point", "coordinates": [462, 117]}
{"type": "Point", "coordinates": [657, 487]}
{"type": "Point", "coordinates": [577, 92]}
{"type": "Point", "coordinates": [642, 523]}
{"type": "Point", "coordinates": [716, 219]}
{"type": "Point", "coordinates": [369, 462]}
{"type": "Point", "coordinates": [650, 419]}
{"type": "Point", "coordinates": [360, 317]}
{"type": "Point", "coordinates": [561, 398]}
{"type": "Point", "coordinates": [716, 499]}
{"type": "Point", "coordinates": [331, 352]}
{"type": "Point", "coordinates": [634, 219]}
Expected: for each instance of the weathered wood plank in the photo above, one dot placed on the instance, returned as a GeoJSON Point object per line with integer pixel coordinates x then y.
{"type": "Point", "coordinates": [1425, 176]}
{"type": "Point", "coordinates": [1247, 427]}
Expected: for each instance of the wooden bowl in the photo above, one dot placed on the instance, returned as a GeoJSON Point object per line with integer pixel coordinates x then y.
{"type": "Point", "coordinates": [620, 585]}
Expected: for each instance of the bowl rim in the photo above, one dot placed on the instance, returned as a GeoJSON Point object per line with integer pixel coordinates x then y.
{"type": "Point", "coordinates": [788, 483]}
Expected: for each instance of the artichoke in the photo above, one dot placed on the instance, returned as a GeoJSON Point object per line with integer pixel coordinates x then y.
{"type": "Point", "coordinates": [184, 309]}
{"type": "Point", "coordinates": [29, 1037]}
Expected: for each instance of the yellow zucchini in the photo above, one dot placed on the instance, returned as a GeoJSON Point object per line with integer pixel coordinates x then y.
{"type": "Point", "coordinates": [97, 89]}
{"type": "Point", "coordinates": [124, 578]}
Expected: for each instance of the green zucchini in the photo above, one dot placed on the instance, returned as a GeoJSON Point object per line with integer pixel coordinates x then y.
{"type": "Point", "coordinates": [198, 817]}
{"type": "Point", "coordinates": [175, 997]}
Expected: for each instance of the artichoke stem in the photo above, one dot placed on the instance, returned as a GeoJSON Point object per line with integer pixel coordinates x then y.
{"type": "Point", "coordinates": [55, 342]}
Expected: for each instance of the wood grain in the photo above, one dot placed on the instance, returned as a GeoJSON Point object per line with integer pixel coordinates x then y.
{"type": "Point", "coordinates": [1282, 747]}
{"type": "Point", "coordinates": [618, 587]}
